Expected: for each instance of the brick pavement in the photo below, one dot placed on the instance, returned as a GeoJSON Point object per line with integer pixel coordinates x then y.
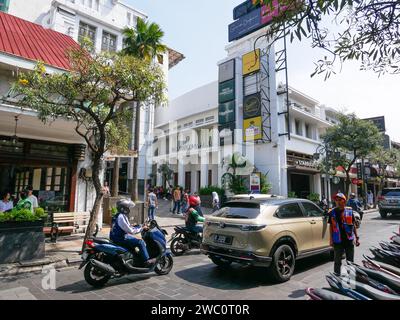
{"type": "Point", "coordinates": [194, 277]}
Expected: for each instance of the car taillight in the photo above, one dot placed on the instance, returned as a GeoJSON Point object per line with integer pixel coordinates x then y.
{"type": "Point", "coordinates": [381, 198]}
{"type": "Point", "coordinates": [252, 227]}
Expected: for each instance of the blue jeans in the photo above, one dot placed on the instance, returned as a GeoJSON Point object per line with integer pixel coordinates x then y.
{"type": "Point", "coordinates": [131, 242]}
{"type": "Point", "coordinates": [152, 211]}
{"type": "Point", "coordinates": [195, 229]}
{"type": "Point", "coordinates": [177, 207]}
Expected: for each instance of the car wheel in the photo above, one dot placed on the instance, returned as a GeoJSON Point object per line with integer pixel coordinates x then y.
{"type": "Point", "coordinates": [383, 214]}
{"type": "Point", "coordinates": [222, 263]}
{"type": "Point", "coordinates": [283, 262]}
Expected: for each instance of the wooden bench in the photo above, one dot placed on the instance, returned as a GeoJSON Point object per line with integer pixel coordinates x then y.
{"type": "Point", "coordinates": [67, 223]}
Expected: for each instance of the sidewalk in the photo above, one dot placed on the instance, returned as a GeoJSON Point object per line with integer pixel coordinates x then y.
{"type": "Point", "coordinates": [65, 252]}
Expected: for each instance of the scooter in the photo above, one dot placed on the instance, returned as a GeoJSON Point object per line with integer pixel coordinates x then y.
{"type": "Point", "coordinates": [387, 268]}
{"type": "Point", "coordinates": [324, 294]}
{"type": "Point", "coordinates": [182, 240]}
{"type": "Point", "coordinates": [341, 285]}
{"type": "Point", "coordinates": [104, 260]}
{"type": "Point", "coordinates": [386, 256]}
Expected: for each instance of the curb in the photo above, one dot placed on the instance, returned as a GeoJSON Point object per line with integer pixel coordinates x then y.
{"type": "Point", "coordinates": [38, 266]}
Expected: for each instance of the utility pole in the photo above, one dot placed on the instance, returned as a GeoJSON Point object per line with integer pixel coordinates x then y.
{"type": "Point", "coordinates": [364, 183]}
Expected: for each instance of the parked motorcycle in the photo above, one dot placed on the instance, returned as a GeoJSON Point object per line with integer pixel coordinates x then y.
{"type": "Point", "coordinates": [341, 285]}
{"type": "Point", "coordinates": [389, 257]}
{"type": "Point", "coordinates": [105, 260]}
{"type": "Point", "coordinates": [324, 294]}
{"type": "Point", "coordinates": [385, 266]}
{"type": "Point", "coordinates": [182, 240]}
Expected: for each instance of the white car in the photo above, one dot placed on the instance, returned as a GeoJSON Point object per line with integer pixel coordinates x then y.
{"type": "Point", "coordinates": [257, 196]}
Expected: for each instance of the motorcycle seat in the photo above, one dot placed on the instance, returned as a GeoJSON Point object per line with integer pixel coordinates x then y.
{"type": "Point", "coordinates": [101, 240]}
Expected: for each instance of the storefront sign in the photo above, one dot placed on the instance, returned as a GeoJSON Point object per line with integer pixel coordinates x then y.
{"type": "Point", "coordinates": [252, 129]}
{"type": "Point", "coordinates": [252, 106]}
{"type": "Point", "coordinates": [251, 62]}
{"type": "Point", "coordinates": [379, 122]}
{"type": "Point", "coordinates": [226, 71]}
{"type": "Point", "coordinates": [252, 17]}
{"type": "Point", "coordinates": [242, 9]}
{"type": "Point", "coordinates": [301, 160]}
{"type": "Point", "coordinates": [359, 171]}
{"type": "Point", "coordinates": [247, 24]}
{"type": "Point", "coordinates": [251, 84]}
{"type": "Point", "coordinates": [226, 112]}
{"type": "Point", "coordinates": [356, 181]}
{"type": "Point", "coordinates": [226, 91]}
{"type": "Point", "coordinates": [255, 182]}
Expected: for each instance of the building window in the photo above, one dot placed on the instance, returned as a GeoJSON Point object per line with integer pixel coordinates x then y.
{"type": "Point", "coordinates": [97, 5]}
{"type": "Point", "coordinates": [4, 5]}
{"type": "Point", "coordinates": [160, 59]}
{"type": "Point", "coordinates": [298, 127]}
{"type": "Point", "coordinates": [210, 119]}
{"type": "Point", "coordinates": [87, 31]}
{"type": "Point", "coordinates": [90, 3]}
{"type": "Point", "coordinates": [308, 131]}
{"type": "Point", "coordinates": [188, 125]}
{"type": "Point", "coordinates": [128, 18]}
{"type": "Point", "coordinates": [109, 42]}
{"type": "Point", "coordinates": [199, 121]}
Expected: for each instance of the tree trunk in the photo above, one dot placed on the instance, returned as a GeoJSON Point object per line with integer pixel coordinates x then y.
{"type": "Point", "coordinates": [136, 139]}
{"type": "Point", "coordinates": [99, 196]}
{"type": "Point", "coordinates": [115, 181]}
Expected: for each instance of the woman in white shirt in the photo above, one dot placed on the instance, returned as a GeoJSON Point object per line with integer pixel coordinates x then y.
{"type": "Point", "coordinates": [5, 203]}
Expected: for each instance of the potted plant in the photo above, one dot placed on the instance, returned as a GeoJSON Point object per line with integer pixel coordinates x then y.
{"type": "Point", "coordinates": [21, 235]}
{"type": "Point", "coordinates": [314, 197]}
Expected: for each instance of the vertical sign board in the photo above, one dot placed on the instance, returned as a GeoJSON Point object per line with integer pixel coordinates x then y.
{"type": "Point", "coordinates": [242, 9]}
{"type": "Point", "coordinates": [251, 84]}
{"type": "Point", "coordinates": [226, 71]}
{"type": "Point", "coordinates": [255, 182]}
{"type": "Point", "coordinates": [226, 91]}
{"type": "Point", "coordinates": [226, 112]}
{"type": "Point", "coordinates": [247, 24]}
{"type": "Point", "coordinates": [251, 62]}
{"type": "Point", "coordinates": [359, 171]}
{"type": "Point", "coordinates": [252, 106]}
{"type": "Point", "coordinates": [252, 129]}
{"type": "Point", "coordinates": [226, 134]}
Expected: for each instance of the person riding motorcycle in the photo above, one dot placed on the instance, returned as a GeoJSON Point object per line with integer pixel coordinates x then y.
{"type": "Point", "coordinates": [193, 216]}
{"type": "Point", "coordinates": [355, 204]}
{"type": "Point", "coordinates": [124, 235]}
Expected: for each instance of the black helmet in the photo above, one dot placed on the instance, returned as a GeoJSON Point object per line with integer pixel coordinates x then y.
{"type": "Point", "coordinates": [124, 206]}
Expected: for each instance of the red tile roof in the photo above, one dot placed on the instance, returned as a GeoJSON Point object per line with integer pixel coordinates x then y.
{"type": "Point", "coordinates": [31, 41]}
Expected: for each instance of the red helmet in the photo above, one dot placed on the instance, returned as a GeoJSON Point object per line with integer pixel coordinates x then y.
{"type": "Point", "coordinates": [193, 201]}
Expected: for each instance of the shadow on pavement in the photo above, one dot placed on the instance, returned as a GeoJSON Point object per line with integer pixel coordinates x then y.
{"type": "Point", "coordinates": [240, 277]}
{"type": "Point", "coordinates": [82, 287]}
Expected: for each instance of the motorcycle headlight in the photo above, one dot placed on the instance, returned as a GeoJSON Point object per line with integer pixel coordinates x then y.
{"type": "Point", "coordinates": [252, 227]}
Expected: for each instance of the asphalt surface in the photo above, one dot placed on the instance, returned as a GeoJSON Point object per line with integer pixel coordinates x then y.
{"type": "Point", "coordinates": [195, 277]}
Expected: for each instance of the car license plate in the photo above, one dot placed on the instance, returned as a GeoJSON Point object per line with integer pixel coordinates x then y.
{"type": "Point", "coordinates": [222, 239]}
{"type": "Point", "coordinates": [393, 201]}
{"type": "Point", "coordinates": [84, 255]}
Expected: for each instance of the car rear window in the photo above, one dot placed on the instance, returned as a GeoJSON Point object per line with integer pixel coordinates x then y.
{"type": "Point", "coordinates": [239, 210]}
{"type": "Point", "coordinates": [391, 192]}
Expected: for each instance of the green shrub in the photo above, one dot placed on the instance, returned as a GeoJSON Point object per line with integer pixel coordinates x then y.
{"type": "Point", "coordinates": [114, 211]}
{"type": "Point", "coordinates": [209, 190]}
{"type": "Point", "coordinates": [22, 215]}
{"type": "Point", "coordinates": [313, 197]}
{"type": "Point", "coordinates": [292, 194]}
{"type": "Point", "coordinates": [265, 185]}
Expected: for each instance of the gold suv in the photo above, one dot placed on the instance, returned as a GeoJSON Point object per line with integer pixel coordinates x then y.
{"type": "Point", "coordinates": [273, 233]}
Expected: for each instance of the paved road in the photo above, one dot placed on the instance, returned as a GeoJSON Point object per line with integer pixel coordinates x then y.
{"type": "Point", "coordinates": [194, 277]}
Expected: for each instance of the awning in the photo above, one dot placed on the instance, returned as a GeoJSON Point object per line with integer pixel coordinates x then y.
{"type": "Point", "coordinates": [174, 58]}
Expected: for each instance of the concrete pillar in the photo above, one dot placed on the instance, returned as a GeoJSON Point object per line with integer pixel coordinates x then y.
{"type": "Point", "coordinates": [181, 173]}
{"type": "Point", "coordinates": [317, 184]}
{"type": "Point", "coordinates": [204, 169]}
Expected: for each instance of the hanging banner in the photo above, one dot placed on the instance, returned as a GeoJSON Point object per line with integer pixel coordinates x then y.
{"type": "Point", "coordinates": [251, 62]}
{"type": "Point", "coordinates": [252, 129]}
{"type": "Point", "coordinates": [226, 91]}
{"type": "Point", "coordinates": [226, 71]}
{"type": "Point", "coordinates": [252, 106]}
{"type": "Point", "coordinates": [226, 112]}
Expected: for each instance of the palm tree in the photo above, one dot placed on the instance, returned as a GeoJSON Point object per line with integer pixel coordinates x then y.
{"type": "Point", "coordinates": [144, 43]}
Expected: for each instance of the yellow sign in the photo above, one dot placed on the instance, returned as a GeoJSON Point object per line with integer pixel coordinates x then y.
{"type": "Point", "coordinates": [252, 129]}
{"type": "Point", "coordinates": [251, 62]}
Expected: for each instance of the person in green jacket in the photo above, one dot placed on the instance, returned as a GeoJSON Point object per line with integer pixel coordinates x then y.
{"type": "Point", "coordinates": [24, 203]}
{"type": "Point", "coordinates": [192, 217]}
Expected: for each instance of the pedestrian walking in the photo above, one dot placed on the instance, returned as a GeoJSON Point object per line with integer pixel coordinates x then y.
{"type": "Point", "coordinates": [152, 204]}
{"type": "Point", "coordinates": [343, 232]}
{"type": "Point", "coordinates": [32, 198]}
{"type": "Point", "coordinates": [215, 201]}
{"type": "Point", "coordinates": [370, 198]}
{"type": "Point", "coordinates": [177, 200]}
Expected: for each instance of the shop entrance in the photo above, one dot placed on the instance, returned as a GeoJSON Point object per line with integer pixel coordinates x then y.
{"type": "Point", "coordinates": [300, 184]}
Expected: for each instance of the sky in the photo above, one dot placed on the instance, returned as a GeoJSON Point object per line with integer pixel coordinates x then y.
{"type": "Point", "coordinates": [199, 30]}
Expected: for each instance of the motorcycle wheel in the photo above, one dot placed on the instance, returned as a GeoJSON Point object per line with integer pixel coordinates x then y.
{"type": "Point", "coordinates": [95, 277]}
{"type": "Point", "coordinates": [164, 266]}
{"type": "Point", "coordinates": [176, 246]}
